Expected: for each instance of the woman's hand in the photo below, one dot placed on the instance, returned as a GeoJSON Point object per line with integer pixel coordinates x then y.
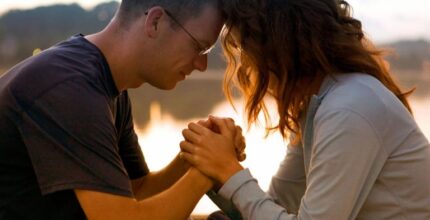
{"type": "Point", "coordinates": [239, 139]}
{"type": "Point", "coordinates": [214, 154]}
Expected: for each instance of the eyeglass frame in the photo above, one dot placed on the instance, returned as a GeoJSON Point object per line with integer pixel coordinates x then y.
{"type": "Point", "coordinates": [201, 49]}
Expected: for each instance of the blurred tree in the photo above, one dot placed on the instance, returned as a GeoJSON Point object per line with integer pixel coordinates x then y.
{"type": "Point", "coordinates": [25, 30]}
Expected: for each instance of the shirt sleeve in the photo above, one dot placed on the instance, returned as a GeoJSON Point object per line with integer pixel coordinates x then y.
{"type": "Point", "coordinates": [129, 148]}
{"type": "Point", "coordinates": [71, 139]}
{"type": "Point", "coordinates": [225, 205]}
{"type": "Point", "coordinates": [286, 188]}
{"type": "Point", "coordinates": [345, 162]}
{"type": "Point", "coordinates": [288, 185]}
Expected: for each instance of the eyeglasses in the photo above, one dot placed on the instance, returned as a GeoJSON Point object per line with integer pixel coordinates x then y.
{"type": "Point", "coordinates": [202, 50]}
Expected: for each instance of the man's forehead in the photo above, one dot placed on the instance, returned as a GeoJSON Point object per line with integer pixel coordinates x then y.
{"type": "Point", "coordinates": [207, 30]}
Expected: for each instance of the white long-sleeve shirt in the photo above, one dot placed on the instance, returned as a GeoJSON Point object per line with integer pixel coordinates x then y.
{"type": "Point", "coordinates": [363, 157]}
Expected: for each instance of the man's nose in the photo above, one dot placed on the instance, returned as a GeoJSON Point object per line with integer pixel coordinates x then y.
{"type": "Point", "coordinates": [201, 62]}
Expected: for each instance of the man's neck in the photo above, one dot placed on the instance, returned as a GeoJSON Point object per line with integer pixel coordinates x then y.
{"type": "Point", "coordinates": [110, 42]}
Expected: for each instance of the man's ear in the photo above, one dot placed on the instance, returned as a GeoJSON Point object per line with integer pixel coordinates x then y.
{"type": "Point", "coordinates": [152, 22]}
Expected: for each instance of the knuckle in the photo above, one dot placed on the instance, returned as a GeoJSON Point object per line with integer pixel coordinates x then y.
{"type": "Point", "coordinates": [243, 157]}
{"type": "Point", "coordinates": [190, 125]}
{"type": "Point", "coordinates": [196, 159]}
{"type": "Point", "coordinates": [206, 133]}
{"type": "Point", "coordinates": [196, 150]}
{"type": "Point", "coordinates": [237, 145]}
{"type": "Point", "coordinates": [199, 140]}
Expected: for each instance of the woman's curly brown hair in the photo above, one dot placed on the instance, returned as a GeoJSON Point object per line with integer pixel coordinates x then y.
{"type": "Point", "coordinates": [286, 48]}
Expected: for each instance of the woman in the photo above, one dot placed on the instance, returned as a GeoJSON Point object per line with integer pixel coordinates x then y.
{"type": "Point", "coordinates": [355, 150]}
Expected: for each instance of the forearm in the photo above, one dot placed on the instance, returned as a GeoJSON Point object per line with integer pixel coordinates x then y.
{"type": "Point", "coordinates": [176, 203]}
{"type": "Point", "coordinates": [156, 182]}
{"type": "Point", "coordinates": [252, 202]}
{"type": "Point", "coordinates": [179, 200]}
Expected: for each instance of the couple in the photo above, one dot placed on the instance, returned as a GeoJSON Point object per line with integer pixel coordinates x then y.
{"type": "Point", "coordinates": [68, 149]}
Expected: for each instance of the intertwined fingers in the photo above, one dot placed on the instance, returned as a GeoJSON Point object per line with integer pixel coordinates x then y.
{"type": "Point", "coordinates": [240, 144]}
{"type": "Point", "coordinates": [188, 152]}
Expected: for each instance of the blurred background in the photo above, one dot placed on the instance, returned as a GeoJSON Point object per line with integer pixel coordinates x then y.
{"type": "Point", "coordinates": [30, 26]}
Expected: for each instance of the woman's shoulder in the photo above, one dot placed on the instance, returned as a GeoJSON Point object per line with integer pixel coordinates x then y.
{"type": "Point", "coordinates": [363, 95]}
{"type": "Point", "coordinates": [359, 92]}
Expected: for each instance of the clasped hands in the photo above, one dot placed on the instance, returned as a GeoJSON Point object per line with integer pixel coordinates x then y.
{"type": "Point", "coordinates": [215, 147]}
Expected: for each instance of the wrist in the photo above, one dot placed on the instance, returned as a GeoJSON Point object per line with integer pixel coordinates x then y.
{"type": "Point", "coordinates": [231, 171]}
{"type": "Point", "coordinates": [182, 163]}
{"type": "Point", "coordinates": [200, 178]}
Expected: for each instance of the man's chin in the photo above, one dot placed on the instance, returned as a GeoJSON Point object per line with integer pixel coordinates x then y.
{"type": "Point", "coordinates": [168, 87]}
{"type": "Point", "coordinates": [165, 86]}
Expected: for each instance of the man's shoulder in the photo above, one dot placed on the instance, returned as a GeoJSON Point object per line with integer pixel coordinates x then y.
{"type": "Point", "coordinates": [32, 78]}
{"type": "Point", "coordinates": [60, 62]}
{"type": "Point", "coordinates": [48, 71]}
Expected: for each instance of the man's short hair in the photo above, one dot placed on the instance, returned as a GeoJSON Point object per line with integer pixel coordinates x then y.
{"type": "Point", "coordinates": [130, 10]}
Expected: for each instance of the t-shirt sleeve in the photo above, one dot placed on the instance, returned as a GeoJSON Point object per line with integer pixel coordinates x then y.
{"type": "Point", "coordinates": [129, 148]}
{"type": "Point", "coordinates": [71, 139]}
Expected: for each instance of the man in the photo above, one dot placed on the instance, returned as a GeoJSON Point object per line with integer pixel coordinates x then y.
{"type": "Point", "coordinates": [68, 149]}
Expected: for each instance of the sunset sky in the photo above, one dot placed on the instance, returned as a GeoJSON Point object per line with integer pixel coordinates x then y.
{"type": "Point", "coordinates": [383, 20]}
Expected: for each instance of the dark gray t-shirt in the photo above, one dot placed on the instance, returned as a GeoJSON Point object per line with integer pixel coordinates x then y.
{"type": "Point", "coordinates": [63, 126]}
